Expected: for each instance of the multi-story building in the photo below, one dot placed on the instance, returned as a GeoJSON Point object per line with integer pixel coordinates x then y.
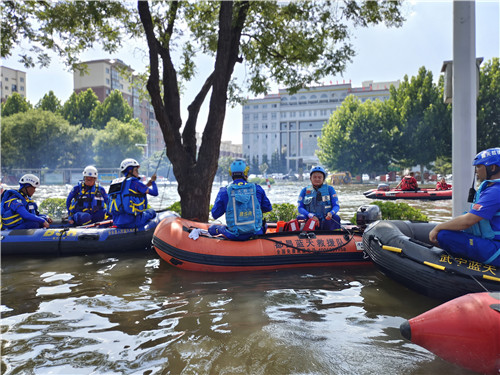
{"type": "Point", "coordinates": [104, 76]}
{"type": "Point", "coordinates": [12, 81]}
{"type": "Point", "coordinates": [291, 124]}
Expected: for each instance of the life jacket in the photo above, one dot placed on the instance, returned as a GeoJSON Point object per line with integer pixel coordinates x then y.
{"type": "Point", "coordinates": [11, 218]}
{"type": "Point", "coordinates": [409, 183]}
{"type": "Point", "coordinates": [87, 200]}
{"type": "Point", "coordinates": [243, 212]}
{"type": "Point", "coordinates": [483, 227]}
{"type": "Point", "coordinates": [123, 200]}
{"type": "Point", "coordinates": [318, 207]}
{"type": "Point", "coordinates": [442, 186]}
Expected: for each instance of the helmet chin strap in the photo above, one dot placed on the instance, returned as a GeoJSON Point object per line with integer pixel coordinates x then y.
{"type": "Point", "coordinates": [490, 172]}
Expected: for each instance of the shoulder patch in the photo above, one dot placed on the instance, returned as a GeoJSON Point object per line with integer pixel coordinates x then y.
{"type": "Point", "coordinates": [477, 207]}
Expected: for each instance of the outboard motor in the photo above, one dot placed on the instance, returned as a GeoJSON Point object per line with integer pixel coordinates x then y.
{"type": "Point", "coordinates": [383, 187]}
{"type": "Point", "coordinates": [368, 214]}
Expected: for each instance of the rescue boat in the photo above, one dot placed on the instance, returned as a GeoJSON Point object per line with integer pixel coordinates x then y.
{"type": "Point", "coordinates": [60, 239]}
{"type": "Point", "coordinates": [464, 331]}
{"type": "Point", "coordinates": [402, 251]}
{"type": "Point", "coordinates": [202, 252]}
{"type": "Point", "coordinates": [384, 192]}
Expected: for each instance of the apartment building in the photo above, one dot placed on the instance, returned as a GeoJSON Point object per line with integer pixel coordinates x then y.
{"type": "Point", "coordinates": [291, 124]}
{"type": "Point", "coordinates": [12, 80]}
{"type": "Point", "coordinates": [104, 76]}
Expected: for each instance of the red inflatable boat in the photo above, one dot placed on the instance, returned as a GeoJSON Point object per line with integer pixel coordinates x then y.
{"type": "Point", "coordinates": [429, 194]}
{"type": "Point", "coordinates": [465, 331]}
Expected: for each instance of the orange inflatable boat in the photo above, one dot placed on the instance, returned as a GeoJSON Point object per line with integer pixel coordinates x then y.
{"type": "Point", "coordinates": [465, 331]}
{"type": "Point", "coordinates": [173, 243]}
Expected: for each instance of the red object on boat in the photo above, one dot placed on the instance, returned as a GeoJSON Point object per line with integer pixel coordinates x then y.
{"type": "Point", "coordinates": [465, 331]}
{"type": "Point", "coordinates": [429, 194]}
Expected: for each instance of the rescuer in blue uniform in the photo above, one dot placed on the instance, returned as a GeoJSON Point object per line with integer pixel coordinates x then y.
{"type": "Point", "coordinates": [318, 202]}
{"type": "Point", "coordinates": [128, 202]}
{"type": "Point", "coordinates": [87, 201]}
{"type": "Point", "coordinates": [476, 234]}
{"type": "Point", "coordinates": [243, 203]}
{"type": "Point", "coordinates": [19, 211]}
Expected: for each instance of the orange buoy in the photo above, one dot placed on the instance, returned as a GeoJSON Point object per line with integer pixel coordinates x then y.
{"type": "Point", "coordinates": [465, 331]}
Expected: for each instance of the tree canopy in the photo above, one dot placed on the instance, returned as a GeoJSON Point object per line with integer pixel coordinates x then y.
{"type": "Point", "coordinates": [15, 103]}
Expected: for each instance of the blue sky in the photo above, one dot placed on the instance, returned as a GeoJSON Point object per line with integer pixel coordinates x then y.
{"type": "Point", "coordinates": [382, 54]}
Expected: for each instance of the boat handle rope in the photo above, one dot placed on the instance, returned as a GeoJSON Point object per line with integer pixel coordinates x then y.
{"type": "Point", "coordinates": [349, 233]}
{"type": "Point", "coordinates": [62, 232]}
{"type": "Point", "coordinates": [401, 252]}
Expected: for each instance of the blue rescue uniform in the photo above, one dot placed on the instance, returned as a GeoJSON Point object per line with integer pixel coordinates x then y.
{"type": "Point", "coordinates": [243, 203]}
{"type": "Point", "coordinates": [319, 202]}
{"type": "Point", "coordinates": [86, 204]}
{"type": "Point", "coordinates": [482, 241]}
{"type": "Point", "coordinates": [128, 202]}
{"type": "Point", "coordinates": [20, 212]}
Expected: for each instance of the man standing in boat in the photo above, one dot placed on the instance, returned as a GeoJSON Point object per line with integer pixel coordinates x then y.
{"type": "Point", "coordinates": [476, 234]}
{"type": "Point", "coordinates": [19, 211]}
{"type": "Point", "coordinates": [87, 201]}
{"type": "Point", "coordinates": [243, 203]}
{"type": "Point", "coordinates": [128, 197]}
{"type": "Point", "coordinates": [318, 203]}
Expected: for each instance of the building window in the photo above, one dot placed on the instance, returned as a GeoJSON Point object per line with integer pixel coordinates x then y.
{"type": "Point", "coordinates": [273, 116]}
{"type": "Point", "coordinates": [264, 105]}
{"type": "Point", "coordinates": [107, 81]}
{"type": "Point", "coordinates": [6, 79]}
{"type": "Point", "coordinates": [274, 106]}
{"type": "Point", "coordinates": [22, 88]}
{"type": "Point", "coordinates": [256, 106]}
{"type": "Point", "coordinates": [246, 117]}
{"type": "Point", "coordinates": [21, 79]}
{"type": "Point", "coordinates": [256, 116]}
{"type": "Point", "coordinates": [107, 70]}
{"type": "Point", "coordinates": [264, 116]}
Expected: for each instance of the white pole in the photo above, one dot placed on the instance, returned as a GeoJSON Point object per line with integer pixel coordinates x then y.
{"type": "Point", "coordinates": [464, 102]}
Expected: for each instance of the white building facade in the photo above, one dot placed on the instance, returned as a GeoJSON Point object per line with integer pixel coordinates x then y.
{"type": "Point", "coordinates": [291, 124]}
{"type": "Point", "coordinates": [12, 81]}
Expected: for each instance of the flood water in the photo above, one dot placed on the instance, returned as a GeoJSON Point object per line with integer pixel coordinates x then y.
{"type": "Point", "coordinates": [135, 314]}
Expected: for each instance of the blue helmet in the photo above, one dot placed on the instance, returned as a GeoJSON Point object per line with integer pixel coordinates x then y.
{"type": "Point", "coordinates": [318, 169]}
{"type": "Point", "coordinates": [487, 157]}
{"type": "Point", "coordinates": [239, 168]}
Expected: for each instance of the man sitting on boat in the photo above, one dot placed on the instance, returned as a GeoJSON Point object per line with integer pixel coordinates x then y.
{"type": "Point", "coordinates": [408, 183]}
{"type": "Point", "coordinates": [128, 202]}
{"type": "Point", "coordinates": [19, 211]}
{"type": "Point", "coordinates": [318, 203]}
{"type": "Point", "coordinates": [243, 203]}
{"type": "Point", "coordinates": [476, 234]}
{"type": "Point", "coordinates": [87, 201]}
{"type": "Point", "coordinates": [442, 185]}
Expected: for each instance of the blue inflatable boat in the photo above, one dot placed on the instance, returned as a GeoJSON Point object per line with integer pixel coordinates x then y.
{"type": "Point", "coordinates": [60, 240]}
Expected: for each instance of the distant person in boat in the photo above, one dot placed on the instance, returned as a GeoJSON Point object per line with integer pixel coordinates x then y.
{"type": "Point", "coordinates": [442, 185]}
{"type": "Point", "coordinates": [408, 183]}
{"type": "Point", "coordinates": [87, 201]}
{"type": "Point", "coordinates": [476, 234]}
{"type": "Point", "coordinates": [318, 203]}
{"type": "Point", "coordinates": [243, 203]}
{"type": "Point", "coordinates": [128, 202]}
{"type": "Point", "coordinates": [19, 211]}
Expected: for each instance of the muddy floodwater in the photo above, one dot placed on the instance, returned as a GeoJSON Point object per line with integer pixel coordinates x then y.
{"type": "Point", "coordinates": [135, 314]}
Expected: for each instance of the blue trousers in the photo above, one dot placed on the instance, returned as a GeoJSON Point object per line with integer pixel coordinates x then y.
{"type": "Point", "coordinates": [28, 225]}
{"type": "Point", "coordinates": [85, 218]}
{"type": "Point", "coordinates": [469, 246]}
{"type": "Point", "coordinates": [216, 229]}
{"type": "Point", "coordinates": [131, 221]}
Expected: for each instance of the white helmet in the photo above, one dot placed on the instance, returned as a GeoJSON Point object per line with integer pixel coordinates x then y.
{"type": "Point", "coordinates": [90, 171]}
{"type": "Point", "coordinates": [30, 179]}
{"type": "Point", "coordinates": [128, 163]}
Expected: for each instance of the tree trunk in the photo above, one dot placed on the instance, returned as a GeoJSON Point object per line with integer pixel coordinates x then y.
{"type": "Point", "coordinates": [194, 170]}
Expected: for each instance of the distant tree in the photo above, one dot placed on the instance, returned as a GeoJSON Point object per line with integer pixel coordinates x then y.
{"type": "Point", "coordinates": [36, 139]}
{"type": "Point", "coordinates": [488, 105]}
{"type": "Point", "coordinates": [15, 103]}
{"type": "Point", "coordinates": [223, 166]}
{"type": "Point", "coordinates": [82, 148]}
{"type": "Point", "coordinates": [78, 108]}
{"type": "Point", "coordinates": [357, 137]}
{"type": "Point", "coordinates": [423, 121]}
{"type": "Point", "coordinates": [117, 141]}
{"type": "Point", "coordinates": [49, 102]}
{"type": "Point", "coordinates": [114, 106]}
